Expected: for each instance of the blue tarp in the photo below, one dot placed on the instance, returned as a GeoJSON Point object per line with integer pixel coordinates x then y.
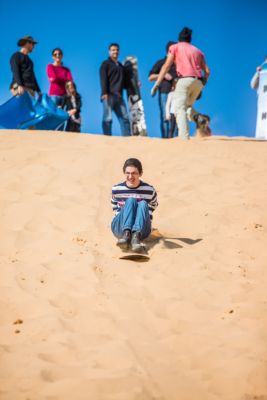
{"type": "Point", "coordinates": [24, 112]}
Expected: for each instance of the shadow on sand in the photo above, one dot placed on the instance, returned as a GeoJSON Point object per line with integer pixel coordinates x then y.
{"type": "Point", "coordinates": [155, 238]}
{"type": "Point", "coordinates": [167, 240]}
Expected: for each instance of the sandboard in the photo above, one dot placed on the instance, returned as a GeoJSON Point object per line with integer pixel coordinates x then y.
{"type": "Point", "coordinates": [135, 257]}
{"type": "Point", "coordinates": [136, 107]}
{"type": "Point", "coordinates": [140, 256]}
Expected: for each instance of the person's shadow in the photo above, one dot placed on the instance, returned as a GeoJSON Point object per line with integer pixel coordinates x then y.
{"type": "Point", "coordinates": [156, 237]}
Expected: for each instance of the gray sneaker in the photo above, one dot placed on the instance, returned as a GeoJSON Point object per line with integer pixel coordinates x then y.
{"type": "Point", "coordinates": [125, 240]}
{"type": "Point", "coordinates": [136, 244]}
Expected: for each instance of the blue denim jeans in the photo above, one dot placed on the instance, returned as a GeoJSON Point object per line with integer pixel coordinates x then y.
{"type": "Point", "coordinates": [115, 103]}
{"type": "Point", "coordinates": [58, 101]}
{"type": "Point", "coordinates": [165, 126]}
{"type": "Point", "coordinates": [133, 216]}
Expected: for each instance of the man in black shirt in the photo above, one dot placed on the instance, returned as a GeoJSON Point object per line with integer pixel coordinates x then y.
{"type": "Point", "coordinates": [23, 78]}
{"type": "Point", "coordinates": [112, 79]}
{"type": "Point", "coordinates": [164, 89]}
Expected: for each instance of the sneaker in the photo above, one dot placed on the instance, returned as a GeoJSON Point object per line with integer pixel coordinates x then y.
{"type": "Point", "coordinates": [125, 240]}
{"type": "Point", "coordinates": [135, 242]}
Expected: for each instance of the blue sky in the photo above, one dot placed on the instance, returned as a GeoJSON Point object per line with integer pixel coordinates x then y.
{"type": "Point", "coordinates": [231, 34]}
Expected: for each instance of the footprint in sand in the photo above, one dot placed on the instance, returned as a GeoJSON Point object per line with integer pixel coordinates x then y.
{"type": "Point", "coordinates": [18, 322]}
{"type": "Point", "coordinates": [98, 270]}
{"type": "Point", "coordinates": [254, 226]}
{"type": "Point", "coordinates": [21, 281]}
{"type": "Point", "coordinates": [243, 271]}
{"type": "Point", "coordinates": [30, 284]}
{"type": "Point", "coordinates": [79, 240]}
{"type": "Point", "coordinates": [259, 227]}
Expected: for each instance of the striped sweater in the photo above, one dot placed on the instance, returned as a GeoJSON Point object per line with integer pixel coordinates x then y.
{"type": "Point", "coordinates": [121, 192]}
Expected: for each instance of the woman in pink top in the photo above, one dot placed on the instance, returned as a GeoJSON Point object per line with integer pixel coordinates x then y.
{"type": "Point", "coordinates": [58, 75]}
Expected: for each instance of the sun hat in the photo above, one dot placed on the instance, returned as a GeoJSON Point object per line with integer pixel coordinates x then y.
{"type": "Point", "coordinates": [26, 39]}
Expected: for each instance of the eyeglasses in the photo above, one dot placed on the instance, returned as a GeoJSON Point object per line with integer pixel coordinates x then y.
{"type": "Point", "coordinates": [132, 173]}
{"type": "Point", "coordinates": [57, 54]}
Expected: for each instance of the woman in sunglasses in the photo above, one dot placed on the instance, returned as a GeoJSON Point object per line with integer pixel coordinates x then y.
{"type": "Point", "coordinates": [58, 75]}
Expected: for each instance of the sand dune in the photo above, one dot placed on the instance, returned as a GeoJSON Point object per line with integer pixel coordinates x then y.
{"type": "Point", "coordinates": [79, 323]}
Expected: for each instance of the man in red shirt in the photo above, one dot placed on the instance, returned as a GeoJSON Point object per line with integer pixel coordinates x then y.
{"type": "Point", "coordinates": [192, 71]}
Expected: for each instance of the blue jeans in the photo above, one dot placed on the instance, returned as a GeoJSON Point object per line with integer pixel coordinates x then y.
{"type": "Point", "coordinates": [115, 103]}
{"type": "Point", "coordinates": [165, 126]}
{"type": "Point", "coordinates": [58, 101]}
{"type": "Point", "coordinates": [133, 216]}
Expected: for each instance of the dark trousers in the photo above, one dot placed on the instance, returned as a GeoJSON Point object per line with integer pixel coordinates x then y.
{"type": "Point", "coordinates": [72, 126]}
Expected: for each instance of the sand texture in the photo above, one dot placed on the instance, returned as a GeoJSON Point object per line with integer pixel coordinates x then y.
{"type": "Point", "coordinates": [79, 323]}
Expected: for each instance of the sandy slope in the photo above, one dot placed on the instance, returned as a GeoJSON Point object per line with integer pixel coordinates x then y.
{"type": "Point", "coordinates": [78, 323]}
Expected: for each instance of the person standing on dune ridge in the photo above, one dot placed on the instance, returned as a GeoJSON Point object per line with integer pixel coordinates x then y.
{"type": "Point", "coordinates": [112, 80]}
{"type": "Point", "coordinates": [23, 77]}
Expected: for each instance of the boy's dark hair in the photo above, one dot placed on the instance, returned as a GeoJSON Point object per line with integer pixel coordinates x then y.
{"type": "Point", "coordinates": [114, 44]}
{"type": "Point", "coordinates": [133, 162]}
{"type": "Point", "coordinates": [185, 35]}
{"type": "Point", "coordinates": [168, 45]}
{"type": "Point", "coordinates": [57, 49]}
